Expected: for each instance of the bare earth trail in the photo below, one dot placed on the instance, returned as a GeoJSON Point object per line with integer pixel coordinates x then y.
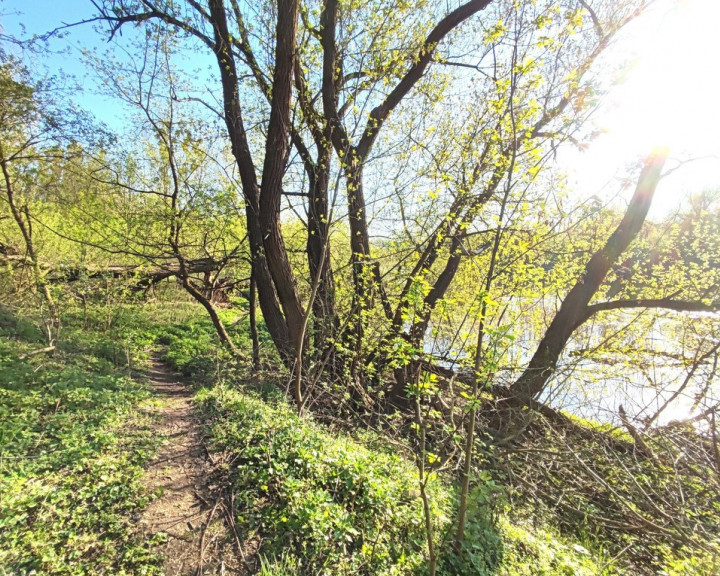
{"type": "Point", "coordinates": [191, 509]}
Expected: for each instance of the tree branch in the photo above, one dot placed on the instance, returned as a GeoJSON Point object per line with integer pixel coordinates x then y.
{"type": "Point", "coordinates": [666, 303]}
{"type": "Point", "coordinates": [380, 113]}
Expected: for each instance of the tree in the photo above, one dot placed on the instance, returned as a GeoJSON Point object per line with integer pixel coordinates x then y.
{"type": "Point", "coordinates": [454, 115]}
{"type": "Point", "coordinates": [371, 60]}
{"type": "Point", "coordinates": [36, 137]}
{"type": "Point", "coordinates": [172, 193]}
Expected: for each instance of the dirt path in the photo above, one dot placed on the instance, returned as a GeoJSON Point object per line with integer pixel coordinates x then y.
{"type": "Point", "coordinates": [190, 509]}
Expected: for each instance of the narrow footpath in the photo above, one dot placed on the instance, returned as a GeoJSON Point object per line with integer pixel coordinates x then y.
{"type": "Point", "coordinates": [190, 507]}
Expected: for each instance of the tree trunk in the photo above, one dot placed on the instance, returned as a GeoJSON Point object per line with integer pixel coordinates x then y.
{"type": "Point", "coordinates": [274, 170]}
{"type": "Point", "coordinates": [52, 320]}
{"type": "Point", "coordinates": [573, 310]}
{"type": "Point", "coordinates": [253, 324]}
{"type": "Point", "coordinates": [326, 322]}
{"type": "Point", "coordinates": [217, 322]}
{"type": "Point", "coordinates": [267, 295]}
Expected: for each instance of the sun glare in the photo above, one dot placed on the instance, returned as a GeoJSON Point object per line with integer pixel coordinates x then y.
{"type": "Point", "coordinates": [668, 98]}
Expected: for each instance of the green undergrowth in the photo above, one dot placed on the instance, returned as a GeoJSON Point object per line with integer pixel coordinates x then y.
{"type": "Point", "coordinates": [73, 442]}
{"type": "Point", "coordinates": [322, 502]}
{"type": "Point", "coordinates": [191, 346]}
{"type": "Point", "coordinates": [605, 428]}
{"type": "Point", "coordinates": [327, 504]}
{"type": "Point", "coordinates": [533, 550]}
{"type": "Point", "coordinates": [125, 334]}
{"type": "Point", "coordinates": [311, 500]}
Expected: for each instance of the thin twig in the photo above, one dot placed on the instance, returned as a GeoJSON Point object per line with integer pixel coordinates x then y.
{"type": "Point", "coordinates": [198, 572]}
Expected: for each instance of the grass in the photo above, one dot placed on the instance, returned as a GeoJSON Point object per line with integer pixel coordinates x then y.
{"type": "Point", "coordinates": [310, 500]}
{"type": "Point", "coordinates": [326, 500]}
{"type": "Point", "coordinates": [72, 447]}
{"type": "Point", "coordinates": [326, 503]}
{"type": "Point", "coordinates": [297, 488]}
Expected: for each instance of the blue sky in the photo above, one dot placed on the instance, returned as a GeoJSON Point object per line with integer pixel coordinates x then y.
{"type": "Point", "coordinates": [24, 19]}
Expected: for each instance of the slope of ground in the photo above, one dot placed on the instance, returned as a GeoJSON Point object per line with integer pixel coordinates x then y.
{"type": "Point", "coordinates": [323, 501]}
{"type": "Point", "coordinates": [101, 473]}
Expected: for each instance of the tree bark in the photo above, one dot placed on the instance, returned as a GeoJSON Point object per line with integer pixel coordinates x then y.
{"type": "Point", "coordinates": [212, 312]}
{"type": "Point", "coordinates": [253, 324]}
{"type": "Point", "coordinates": [276, 147]}
{"type": "Point", "coordinates": [267, 296]}
{"type": "Point", "coordinates": [326, 322]}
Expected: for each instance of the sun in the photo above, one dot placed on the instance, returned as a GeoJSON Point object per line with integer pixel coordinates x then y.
{"type": "Point", "coordinates": [667, 99]}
